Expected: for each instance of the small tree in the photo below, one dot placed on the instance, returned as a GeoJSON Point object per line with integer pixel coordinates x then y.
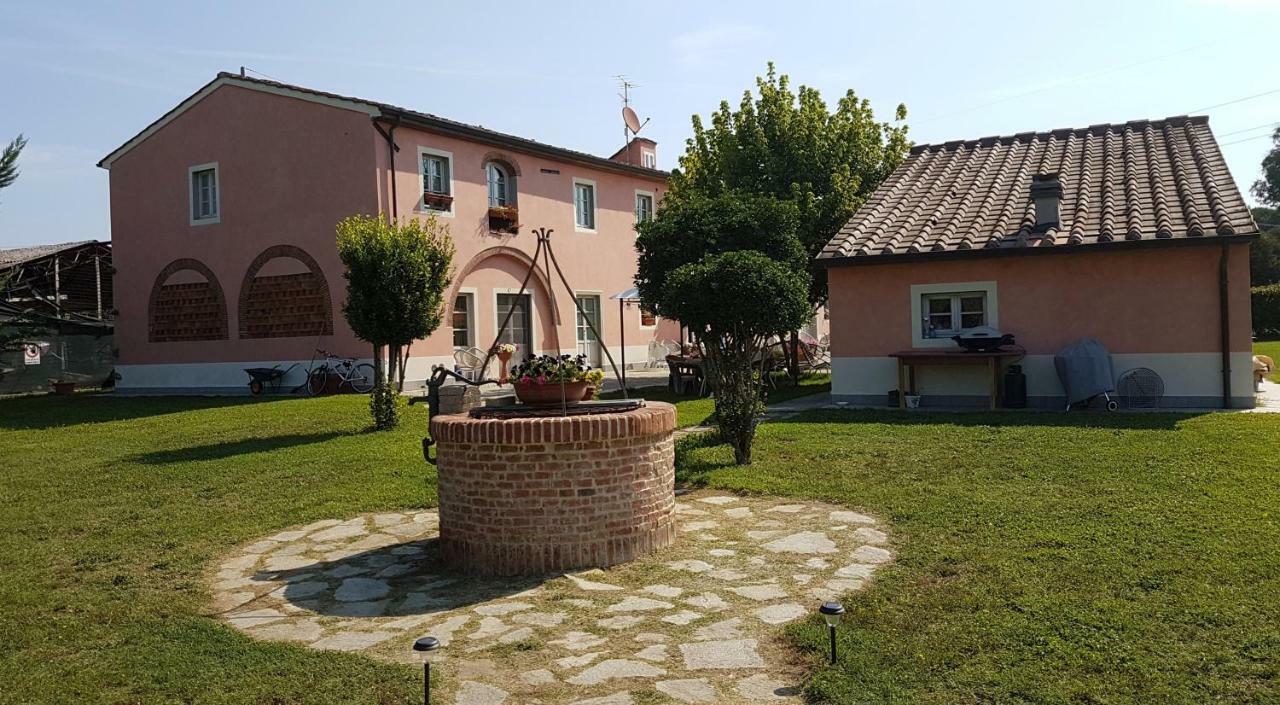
{"type": "Point", "coordinates": [9, 161]}
{"type": "Point", "coordinates": [1267, 189]}
{"type": "Point", "coordinates": [397, 274]}
{"type": "Point", "coordinates": [731, 268]}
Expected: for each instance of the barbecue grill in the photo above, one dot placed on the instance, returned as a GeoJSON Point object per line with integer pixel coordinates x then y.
{"type": "Point", "coordinates": [982, 339]}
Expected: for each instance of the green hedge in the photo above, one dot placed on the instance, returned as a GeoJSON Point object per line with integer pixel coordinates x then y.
{"type": "Point", "coordinates": [1266, 310]}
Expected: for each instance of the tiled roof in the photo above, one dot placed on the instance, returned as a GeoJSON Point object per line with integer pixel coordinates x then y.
{"type": "Point", "coordinates": [1146, 180]}
{"type": "Point", "coordinates": [389, 111]}
{"type": "Point", "coordinates": [18, 255]}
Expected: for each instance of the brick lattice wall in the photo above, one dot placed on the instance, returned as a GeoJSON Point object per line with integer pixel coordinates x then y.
{"type": "Point", "coordinates": [545, 495]}
{"type": "Point", "coordinates": [285, 305]}
{"type": "Point", "coordinates": [189, 311]}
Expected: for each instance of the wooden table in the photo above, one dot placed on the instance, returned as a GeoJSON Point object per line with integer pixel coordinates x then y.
{"type": "Point", "coordinates": [909, 360]}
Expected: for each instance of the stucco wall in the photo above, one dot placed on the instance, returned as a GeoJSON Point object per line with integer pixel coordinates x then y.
{"type": "Point", "coordinates": [1154, 307]}
{"type": "Point", "coordinates": [288, 170]}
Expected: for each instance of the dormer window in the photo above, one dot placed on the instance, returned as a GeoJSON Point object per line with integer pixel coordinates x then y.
{"type": "Point", "coordinates": [649, 159]}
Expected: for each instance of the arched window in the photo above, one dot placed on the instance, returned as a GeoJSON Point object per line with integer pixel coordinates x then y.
{"type": "Point", "coordinates": [285, 295]}
{"type": "Point", "coordinates": [186, 304]}
{"type": "Point", "coordinates": [499, 186]}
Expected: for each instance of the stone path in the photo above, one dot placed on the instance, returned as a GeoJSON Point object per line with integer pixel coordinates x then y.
{"type": "Point", "coordinates": [700, 622]}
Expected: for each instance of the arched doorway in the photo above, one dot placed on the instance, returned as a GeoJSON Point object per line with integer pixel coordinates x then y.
{"type": "Point", "coordinates": [487, 289]}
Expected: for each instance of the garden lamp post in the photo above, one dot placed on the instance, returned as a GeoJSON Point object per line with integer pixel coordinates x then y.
{"type": "Point", "coordinates": [831, 613]}
{"type": "Point", "coordinates": [426, 647]}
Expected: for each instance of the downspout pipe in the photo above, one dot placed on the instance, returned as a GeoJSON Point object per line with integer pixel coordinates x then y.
{"type": "Point", "coordinates": [389, 135]}
{"type": "Point", "coordinates": [1224, 303]}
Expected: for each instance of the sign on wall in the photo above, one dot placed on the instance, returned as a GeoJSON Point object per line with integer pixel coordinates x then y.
{"type": "Point", "coordinates": [31, 354]}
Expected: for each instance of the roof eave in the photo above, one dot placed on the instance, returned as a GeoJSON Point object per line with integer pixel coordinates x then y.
{"type": "Point", "coordinates": [981, 252]}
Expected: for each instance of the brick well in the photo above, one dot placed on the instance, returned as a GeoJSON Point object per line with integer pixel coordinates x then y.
{"type": "Point", "coordinates": [543, 495]}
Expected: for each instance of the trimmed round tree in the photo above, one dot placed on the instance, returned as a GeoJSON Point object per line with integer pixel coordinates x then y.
{"type": "Point", "coordinates": [731, 268]}
{"type": "Point", "coordinates": [397, 275]}
{"type": "Point", "coordinates": [737, 300]}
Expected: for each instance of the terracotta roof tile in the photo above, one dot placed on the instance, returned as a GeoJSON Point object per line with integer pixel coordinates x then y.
{"type": "Point", "coordinates": [1137, 181]}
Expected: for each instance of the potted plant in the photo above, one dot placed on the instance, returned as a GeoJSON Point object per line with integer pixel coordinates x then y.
{"type": "Point", "coordinates": [504, 353]}
{"type": "Point", "coordinates": [547, 381]}
{"type": "Point", "coordinates": [437, 201]}
{"type": "Point", "coordinates": [595, 382]}
{"type": "Point", "coordinates": [504, 219]}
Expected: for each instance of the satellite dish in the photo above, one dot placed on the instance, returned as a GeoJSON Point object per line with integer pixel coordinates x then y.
{"type": "Point", "coordinates": [629, 117]}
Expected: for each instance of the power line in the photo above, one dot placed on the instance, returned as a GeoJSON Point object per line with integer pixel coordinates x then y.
{"type": "Point", "coordinates": [1246, 139]}
{"type": "Point", "coordinates": [1237, 100]}
{"type": "Point", "coordinates": [1250, 129]}
{"type": "Point", "coordinates": [1074, 79]}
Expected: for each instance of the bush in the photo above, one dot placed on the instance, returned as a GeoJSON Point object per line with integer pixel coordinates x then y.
{"type": "Point", "coordinates": [1266, 310]}
{"type": "Point", "coordinates": [384, 405]}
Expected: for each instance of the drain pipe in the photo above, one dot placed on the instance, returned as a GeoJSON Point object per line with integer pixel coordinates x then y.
{"type": "Point", "coordinates": [389, 135]}
{"type": "Point", "coordinates": [1224, 303]}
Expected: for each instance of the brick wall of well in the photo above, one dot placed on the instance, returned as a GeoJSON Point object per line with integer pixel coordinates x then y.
{"type": "Point", "coordinates": [544, 495]}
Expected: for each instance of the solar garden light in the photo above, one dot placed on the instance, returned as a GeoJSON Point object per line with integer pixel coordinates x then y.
{"type": "Point", "coordinates": [832, 612]}
{"type": "Point", "coordinates": [427, 647]}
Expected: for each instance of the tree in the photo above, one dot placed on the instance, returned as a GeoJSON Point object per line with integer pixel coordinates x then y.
{"type": "Point", "coordinates": [1267, 189]}
{"type": "Point", "coordinates": [1264, 254]}
{"type": "Point", "coordinates": [9, 161]}
{"type": "Point", "coordinates": [731, 268]}
{"type": "Point", "coordinates": [790, 146]}
{"type": "Point", "coordinates": [397, 274]}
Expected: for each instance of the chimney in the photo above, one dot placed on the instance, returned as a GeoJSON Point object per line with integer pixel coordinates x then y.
{"type": "Point", "coordinates": [1046, 192]}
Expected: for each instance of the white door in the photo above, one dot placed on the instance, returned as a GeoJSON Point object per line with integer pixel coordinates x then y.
{"type": "Point", "coordinates": [588, 341]}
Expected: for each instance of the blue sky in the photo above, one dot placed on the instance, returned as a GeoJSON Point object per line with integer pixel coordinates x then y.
{"type": "Point", "coordinates": [81, 78]}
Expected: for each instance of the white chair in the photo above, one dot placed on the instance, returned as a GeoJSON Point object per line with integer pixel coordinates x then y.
{"type": "Point", "coordinates": [467, 362]}
{"type": "Point", "coordinates": [657, 354]}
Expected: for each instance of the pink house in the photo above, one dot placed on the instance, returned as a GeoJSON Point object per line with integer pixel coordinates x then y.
{"type": "Point", "coordinates": [223, 213]}
{"type": "Point", "coordinates": [1133, 234]}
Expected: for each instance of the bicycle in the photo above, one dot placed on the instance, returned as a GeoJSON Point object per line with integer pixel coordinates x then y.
{"type": "Point", "coordinates": [359, 378]}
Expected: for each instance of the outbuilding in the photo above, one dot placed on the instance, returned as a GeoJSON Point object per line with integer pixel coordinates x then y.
{"type": "Point", "coordinates": [1133, 234]}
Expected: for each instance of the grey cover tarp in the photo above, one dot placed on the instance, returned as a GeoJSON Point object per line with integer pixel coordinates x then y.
{"type": "Point", "coordinates": [1084, 368]}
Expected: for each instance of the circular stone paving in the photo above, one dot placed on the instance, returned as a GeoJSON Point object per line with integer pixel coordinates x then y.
{"type": "Point", "coordinates": [698, 622]}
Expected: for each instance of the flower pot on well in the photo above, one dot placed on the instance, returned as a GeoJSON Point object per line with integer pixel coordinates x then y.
{"type": "Point", "coordinates": [551, 393]}
{"type": "Point", "coordinates": [504, 360]}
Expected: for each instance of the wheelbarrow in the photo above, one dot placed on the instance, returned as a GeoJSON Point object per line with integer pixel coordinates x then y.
{"type": "Point", "coordinates": [262, 377]}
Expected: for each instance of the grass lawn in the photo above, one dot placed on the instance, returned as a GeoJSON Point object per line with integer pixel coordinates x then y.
{"type": "Point", "coordinates": [1270, 348]}
{"type": "Point", "coordinates": [1045, 558]}
{"type": "Point", "coordinates": [694, 411]}
{"type": "Point", "coordinates": [1042, 557]}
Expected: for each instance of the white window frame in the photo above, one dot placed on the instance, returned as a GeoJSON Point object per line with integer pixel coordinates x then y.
{"type": "Point", "coordinates": [422, 182]}
{"type": "Point", "coordinates": [506, 185]}
{"type": "Point", "coordinates": [595, 206]}
{"type": "Point", "coordinates": [217, 194]}
{"type": "Point", "coordinates": [652, 202]}
{"type": "Point", "coordinates": [533, 316]}
{"type": "Point", "coordinates": [920, 291]}
{"type": "Point", "coordinates": [472, 296]}
{"type": "Point", "coordinates": [649, 159]}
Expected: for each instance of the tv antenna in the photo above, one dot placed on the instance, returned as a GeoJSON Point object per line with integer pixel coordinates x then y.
{"type": "Point", "coordinates": [630, 121]}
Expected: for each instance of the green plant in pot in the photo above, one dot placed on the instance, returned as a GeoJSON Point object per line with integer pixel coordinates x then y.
{"type": "Point", "coordinates": [546, 380]}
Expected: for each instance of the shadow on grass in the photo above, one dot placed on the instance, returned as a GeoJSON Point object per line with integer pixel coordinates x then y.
{"type": "Point", "coordinates": [692, 467]}
{"type": "Point", "coordinates": [37, 412]}
{"type": "Point", "coordinates": [1142, 421]}
{"type": "Point", "coordinates": [248, 446]}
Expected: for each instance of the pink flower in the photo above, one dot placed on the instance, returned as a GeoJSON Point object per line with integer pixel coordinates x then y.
{"type": "Point", "coordinates": [525, 379]}
{"type": "Point", "coordinates": [542, 379]}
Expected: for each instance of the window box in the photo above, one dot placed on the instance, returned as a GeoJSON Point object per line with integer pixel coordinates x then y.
{"type": "Point", "coordinates": [504, 219]}
{"type": "Point", "coordinates": [437, 201]}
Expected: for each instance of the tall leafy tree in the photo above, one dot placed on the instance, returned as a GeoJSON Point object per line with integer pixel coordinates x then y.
{"type": "Point", "coordinates": [1267, 189]}
{"type": "Point", "coordinates": [397, 276]}
{"type": "Point", "coordinates": [9, 161]}
{"type": "Point", "coordinates": [731, 268]}
{"type": "Point", "coordinates": [789, 145]}
{"type": "Point", "coordinates": [1264, 254]}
